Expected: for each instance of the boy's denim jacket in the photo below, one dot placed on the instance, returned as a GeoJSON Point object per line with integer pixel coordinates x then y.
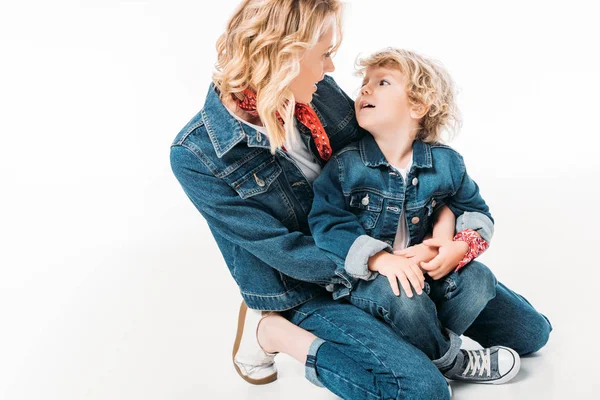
{"type": "Point", "coordinates": [256, 203]}
{"type": "Point", "coordinates": [359, 198]}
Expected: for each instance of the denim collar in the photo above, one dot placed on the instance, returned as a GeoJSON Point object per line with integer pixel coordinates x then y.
{"type": "Point", "coordinates": [224, 130]}
{"type": "Point", "coordinates": [372, 156]}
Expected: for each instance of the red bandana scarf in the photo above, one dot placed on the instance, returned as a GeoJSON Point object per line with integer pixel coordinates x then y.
{"type": "Point", "coordinates": [305, 114]}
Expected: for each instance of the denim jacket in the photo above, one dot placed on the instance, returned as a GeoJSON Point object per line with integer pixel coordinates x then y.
{"type": "Point", "coordinates": [256, 203]}
{"type": "Point", "coordinates": [359, 197]}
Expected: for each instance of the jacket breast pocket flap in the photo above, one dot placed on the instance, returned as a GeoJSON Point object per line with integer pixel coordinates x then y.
{"type": "Point", "coordinates": [258, 180]}
{"type": "Point", "coordinates": [367, 207]}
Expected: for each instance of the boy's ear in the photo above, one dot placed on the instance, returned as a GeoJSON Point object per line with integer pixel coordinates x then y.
{"type": "Point", "coordinates": [418, 111]}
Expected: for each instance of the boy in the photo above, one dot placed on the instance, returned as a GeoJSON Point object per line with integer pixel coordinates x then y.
{"type": "Point", "coordinates": [384, 193]}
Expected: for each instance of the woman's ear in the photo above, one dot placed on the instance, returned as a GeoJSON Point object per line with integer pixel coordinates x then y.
{"type": "Point", "coordinates": [418, 111]}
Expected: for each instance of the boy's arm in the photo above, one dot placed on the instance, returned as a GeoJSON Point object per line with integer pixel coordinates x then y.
{"type": "Point", "coordinates": [443, 224]}
{"type": "Point", "coordinates": [443, 229]}
{"type": "Point", "coordinates": [336, 230]}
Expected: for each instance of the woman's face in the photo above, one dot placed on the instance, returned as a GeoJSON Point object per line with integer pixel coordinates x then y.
{"type": "Point", "coordinates": [314, 64]}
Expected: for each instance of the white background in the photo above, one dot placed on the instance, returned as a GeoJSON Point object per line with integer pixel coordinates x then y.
{"type": "Point", "coordinates": [111, 286]}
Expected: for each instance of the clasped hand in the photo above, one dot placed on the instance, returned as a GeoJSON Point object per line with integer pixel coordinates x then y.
{"type": "Point", "coordinates": [436, 257]}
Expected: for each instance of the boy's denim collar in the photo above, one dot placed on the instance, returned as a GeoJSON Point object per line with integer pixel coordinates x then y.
{"type": "Point", "coordinates": [224, 130]}
{"type": "Point", "coordinates": [372, 156]}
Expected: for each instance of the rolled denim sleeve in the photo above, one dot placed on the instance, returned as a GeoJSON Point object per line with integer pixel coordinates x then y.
{"type": "Point", "coordinates": [362, 249]}
{"type": "Point", "coordinates": [469, 207]}
{"type": "Point", "coordinates": [336, 230]}
{"type": "Point", "coordinates": [246, 223]}
{"type": "Point", "coordinates": [478, 222]}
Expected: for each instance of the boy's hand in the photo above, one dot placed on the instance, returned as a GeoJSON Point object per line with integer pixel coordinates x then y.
{"type": "Point", "coordinates": [450, 253]}
{"type": "Point", "coordinates": [398, 268]}
{"type": "Point", "coordinates": [418, 253]}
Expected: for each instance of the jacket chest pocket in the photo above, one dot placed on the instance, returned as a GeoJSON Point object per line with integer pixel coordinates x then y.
{"type": "Point", "coordinates": [367, 207]}
{"type": "Point", "coordinates": [262, 184]}
{"type": "Point", "coordinates": [258, 180]}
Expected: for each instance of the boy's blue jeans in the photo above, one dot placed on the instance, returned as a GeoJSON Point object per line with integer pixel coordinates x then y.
{"type": "Point", "coordinates": [434, 320]}
{"type": "Point", "coordinates": [358, 356]}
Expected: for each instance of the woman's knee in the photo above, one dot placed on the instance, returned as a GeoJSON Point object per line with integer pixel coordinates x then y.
{"type": "Point", "coordinates": [537, 335]}
{"type": "Point", "coordinates": [430, 385]}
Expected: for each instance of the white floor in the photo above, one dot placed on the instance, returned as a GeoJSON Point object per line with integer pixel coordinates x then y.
{"type": "Point", "coordinates": [154, 317]}
{"type": "Point", "coordinates": [111, 286]}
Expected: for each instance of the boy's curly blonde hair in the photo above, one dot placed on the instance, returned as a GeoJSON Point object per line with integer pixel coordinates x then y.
{"type": "Point", "coordinates": [427, 83]}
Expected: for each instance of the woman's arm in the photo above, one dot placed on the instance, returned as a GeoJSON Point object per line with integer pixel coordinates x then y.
{"type": "Point", "coordinates": [246, 223]}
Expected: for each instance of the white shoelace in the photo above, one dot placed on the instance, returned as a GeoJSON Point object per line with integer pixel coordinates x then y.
{"type": "Point", "coordinates": [478, 360]}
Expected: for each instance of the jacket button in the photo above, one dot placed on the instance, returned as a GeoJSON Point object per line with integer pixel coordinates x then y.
{"type": "Point", "coordinates": [415, 220]}
{"type": "Point", "coordinates": [365, 200]}
{"type": "Point", "coordinates": [415, 181]}
{"type": "Point", "coordinates": [259, 181]}
{"type": "Point", "coordinates": [433, 203]}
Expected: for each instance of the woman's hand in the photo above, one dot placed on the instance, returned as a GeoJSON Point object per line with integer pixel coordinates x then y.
{"type": "Point", "coordinates": [450, 253]}
{"type": "Point", "coordinates": [398, 268]}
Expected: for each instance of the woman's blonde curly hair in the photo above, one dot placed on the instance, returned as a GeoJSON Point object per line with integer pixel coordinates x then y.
{"type": "Point", "coordinates": [261, 50]}
{"type": "Point", "coordinates": [428, 84]}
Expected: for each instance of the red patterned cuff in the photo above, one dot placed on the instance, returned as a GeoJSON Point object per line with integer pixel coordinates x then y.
{"type": "Point", "coordinates": [476, 246]}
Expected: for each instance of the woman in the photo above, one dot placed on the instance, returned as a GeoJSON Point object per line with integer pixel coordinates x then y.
{"type": "Point", "coordinates": [247, 160]}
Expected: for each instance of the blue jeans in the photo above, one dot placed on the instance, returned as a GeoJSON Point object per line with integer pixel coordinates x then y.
{"type": "Point", "coordinates": [357, 356]}
{"type": "Point", "coordinates": [432, 321]}
{"type": "Point", "coordinates": [509, 320]}
{"type": "Point", "coordinates": [360, 357]}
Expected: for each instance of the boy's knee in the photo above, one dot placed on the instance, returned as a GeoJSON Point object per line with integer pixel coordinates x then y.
{"type": "Point", "coordinates": [411, 311]}
{"type": "Point", "coordinates": [407, 313]}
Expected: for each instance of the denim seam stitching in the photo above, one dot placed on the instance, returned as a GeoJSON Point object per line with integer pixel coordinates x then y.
{"type": "Point", "coordinates": [389, 321]}
{"type": "Point", "coordinates": [200, 156]}
{"type": "Point", "coordinates": [286, 309]}
{"type": "Point", "coordinates": [316, 313]}
{"type": "Point", "coordinates": [250, 174]}
{"type": "Point", "coordinates": [240, 162]}
{"type": "Point", "coordinates": [348, 382]}
{"type": "Point", "coordinates": [189, 132]}
{"type": "Point", "coordinates": [291, 214]}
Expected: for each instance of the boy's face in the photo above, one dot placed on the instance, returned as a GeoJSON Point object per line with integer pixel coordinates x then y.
{"type": "Point", "coordinates": [382, 105]}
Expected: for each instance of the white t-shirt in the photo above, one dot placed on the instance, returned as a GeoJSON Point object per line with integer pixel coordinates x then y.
{"type": "Point", "coordinates": [295, 148]}
{"type": "Point", "coordinates": [402, 238]}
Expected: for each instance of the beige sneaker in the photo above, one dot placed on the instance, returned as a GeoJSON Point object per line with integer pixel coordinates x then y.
{"type": "Point", "coordinates": [251, 362]}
